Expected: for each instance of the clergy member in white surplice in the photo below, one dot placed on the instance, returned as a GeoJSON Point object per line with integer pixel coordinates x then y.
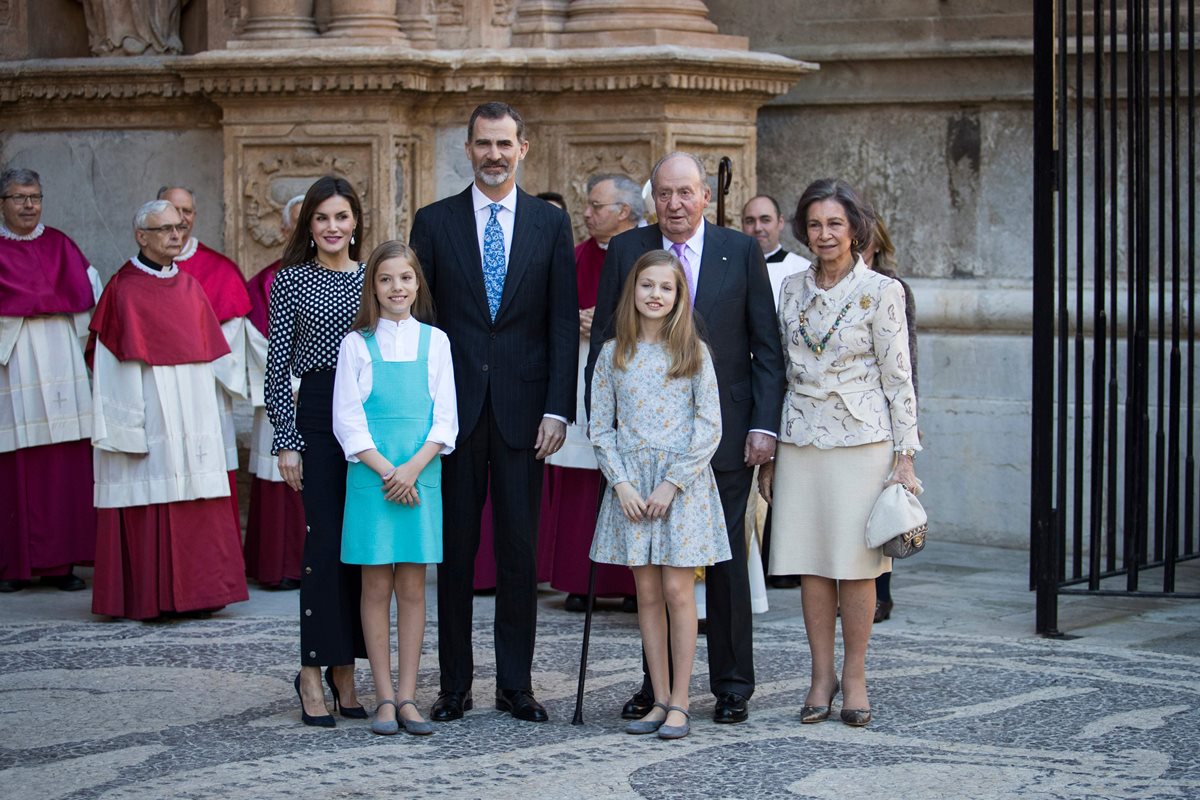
{"type": "Point", "coordinates": [225, 287]}
{"type": "Point", "coordinates": [47, 291]}
{"type": "Point", "coordinates": [166, 542]}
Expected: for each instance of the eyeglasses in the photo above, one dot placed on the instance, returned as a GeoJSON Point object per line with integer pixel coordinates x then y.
{"type": "Point", "coordinates": [597, 206]}
{"type": "Point", "coordinates": [24, 199]}
{"type": "Point", "coordinates": [181, 228]}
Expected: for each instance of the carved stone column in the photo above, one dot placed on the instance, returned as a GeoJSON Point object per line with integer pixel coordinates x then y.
{"type": "Point", "coordinates": [416, 20]}
{"type": "Point", "coordinates": [539, 22]}
{"type": "Point", "coordinates": [279, 19]}
{"type": "Point", "coordinates": [609, 23]}
{"type": "Point", "coordinates": [365, 19]}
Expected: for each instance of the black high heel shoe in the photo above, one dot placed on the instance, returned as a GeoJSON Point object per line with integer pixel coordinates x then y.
{"type": "Point", "coordinates": [326, 721]}
{"type": "Point", "coordinates": [349, 712]}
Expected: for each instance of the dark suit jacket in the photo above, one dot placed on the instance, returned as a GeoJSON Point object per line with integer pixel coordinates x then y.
{"type": "Point", "coordinates": [528, 358]}
{"type": "Point", "coordinates": [736, 314]}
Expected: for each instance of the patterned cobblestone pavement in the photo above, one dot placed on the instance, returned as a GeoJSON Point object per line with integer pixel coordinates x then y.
{"type": "Point", "coordinates": [968, 703]}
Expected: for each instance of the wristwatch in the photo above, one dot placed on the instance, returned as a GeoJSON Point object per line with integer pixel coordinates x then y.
{"type": "Point", "coordinates": [907, 452]}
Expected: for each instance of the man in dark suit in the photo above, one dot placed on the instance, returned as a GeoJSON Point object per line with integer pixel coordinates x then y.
{"type": "Point", "coordinates": [501, 270]}
{"type": "Point", "coordinates": [735, 311]}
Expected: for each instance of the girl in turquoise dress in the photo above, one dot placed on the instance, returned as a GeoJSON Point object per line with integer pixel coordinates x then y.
{"type": "Point", "coordinates": [394, 414]}
{"type": "Point", "coordinates": [662, 516]}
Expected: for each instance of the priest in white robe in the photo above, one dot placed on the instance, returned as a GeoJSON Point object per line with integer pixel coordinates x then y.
{"type": "Point", "coordinates": [166, 542]}
{"type": "Point", "coordinates": [47, 291]}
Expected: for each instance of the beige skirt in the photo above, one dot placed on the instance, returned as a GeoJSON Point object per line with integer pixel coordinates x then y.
{"type": "Point", "coordinates": [822, 499]}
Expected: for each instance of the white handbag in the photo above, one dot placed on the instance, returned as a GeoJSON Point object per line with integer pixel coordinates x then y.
{"type": "Point", "coordinates": [898, 522]}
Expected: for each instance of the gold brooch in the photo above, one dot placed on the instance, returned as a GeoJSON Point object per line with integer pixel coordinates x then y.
{"type": "Point", "coordinates": [864, 302]}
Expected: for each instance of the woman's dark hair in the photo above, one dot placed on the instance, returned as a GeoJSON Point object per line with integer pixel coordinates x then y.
{"type": "Point", "coordinates": [859, 214]}
{"type": "Point", "coordinates": [300, 247]}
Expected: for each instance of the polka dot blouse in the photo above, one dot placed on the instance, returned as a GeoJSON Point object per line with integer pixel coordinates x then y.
{"type": "Point", "coordinates": [311, 310]}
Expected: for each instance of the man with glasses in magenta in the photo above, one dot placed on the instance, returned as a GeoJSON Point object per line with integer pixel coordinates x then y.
{"type": "Point", "coordinates": [165, 541]}
{"type": "Point", "coordinates": [47, 291]}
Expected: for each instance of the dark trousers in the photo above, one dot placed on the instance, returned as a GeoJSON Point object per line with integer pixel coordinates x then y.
{"type": "Point", "coordinates": [330, 620]}
{"type": "Point", "coordinates": [727, 597]}
{"type": "Point", "coordinates": [516, 487]}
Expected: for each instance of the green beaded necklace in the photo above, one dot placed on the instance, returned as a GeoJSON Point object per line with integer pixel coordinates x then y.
{"type": "Point", "coordinates": [819, 347]}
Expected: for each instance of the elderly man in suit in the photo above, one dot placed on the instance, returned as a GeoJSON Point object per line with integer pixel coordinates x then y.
{"type": "Point", "coordinates": [732, 296]}
{"type": "Point", "coordinates": [501, 269]}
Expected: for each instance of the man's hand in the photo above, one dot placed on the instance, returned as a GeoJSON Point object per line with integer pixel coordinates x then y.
{"type": "Point", "coordinates": [550, 437]}
{"type": "Point", "coordinates": [760, 448]}
{"type": "Point", "coordinates": [291, 467]}
{"type": "Point", "coordinates": [766, 481]}
{"type": "Point", "coordinates": [585, 321]}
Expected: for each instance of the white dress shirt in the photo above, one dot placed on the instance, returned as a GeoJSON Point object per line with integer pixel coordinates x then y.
{"type": "Point", "coordinates": [506, 216]}
{"type": "Point", "coordinates": [398, 341]}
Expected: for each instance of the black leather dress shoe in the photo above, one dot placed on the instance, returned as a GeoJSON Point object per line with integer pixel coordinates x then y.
{"type": "Point", "coordinates": [575, 602]}
{"type": "Point", "coordinates": [883, 610]}
{"type": "Point", "coordinates": [288, 585]}
{"type": "Point", "coordinates": [450, 706]}
{"type": "Point", "coordinates": [66, 583]}
{"type": "Point", "coordinates": [12, 586]}
{"type": "Point", "coordinates": [638, 706]}
{"type": "Point", "coordinates": [731, 707]}
{"type": "Point", "coordinates": [521, 704]}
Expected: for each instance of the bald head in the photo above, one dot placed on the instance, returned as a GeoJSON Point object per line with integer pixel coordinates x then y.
{"type": "Point", "coordinates": [184, 202]}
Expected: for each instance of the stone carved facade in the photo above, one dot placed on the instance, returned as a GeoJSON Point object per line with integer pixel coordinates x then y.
{"type": "Point", "coordinates": [133, 27]}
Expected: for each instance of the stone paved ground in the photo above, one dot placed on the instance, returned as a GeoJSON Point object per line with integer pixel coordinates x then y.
{"type": "Point", "coordinates": [968, 703]}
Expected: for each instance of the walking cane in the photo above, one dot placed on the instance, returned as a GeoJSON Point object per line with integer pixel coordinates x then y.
{"type": "Point", "coordinates": [587, 623]}
{"type": "Point", "coordinates": [724, 181]}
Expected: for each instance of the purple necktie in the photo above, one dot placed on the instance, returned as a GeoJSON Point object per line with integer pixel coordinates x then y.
{"type": "Point", "coordinates": [678, 250]}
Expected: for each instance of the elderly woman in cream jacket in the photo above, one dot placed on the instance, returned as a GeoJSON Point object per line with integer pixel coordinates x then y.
{"type": "Point", "coordinates": [849, 427]}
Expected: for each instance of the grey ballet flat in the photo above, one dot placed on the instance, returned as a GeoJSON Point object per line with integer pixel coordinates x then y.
{"type": "Point", "coordinates": [390, 727]}
{"type": "Point", "coordinates": [422, 728]}
{"type": "Point", "coordinates": [640, 726]}
{"type": "Point", "coordinates": [676, 731]}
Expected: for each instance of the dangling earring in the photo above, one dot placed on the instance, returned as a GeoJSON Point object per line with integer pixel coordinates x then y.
{"type": "Point", "coordinates": [854, 242]}
{"type": "Point", "coordinates": [352, 238]}
{"type": "Point", "coordinates": [312, 243]}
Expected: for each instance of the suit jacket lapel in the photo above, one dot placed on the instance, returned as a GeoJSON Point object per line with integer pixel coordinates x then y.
{"type": "Point", "coordinates": [714, 268]}
{"type": "Point", "coordinates": [466, 246]}
{"type": "Point", "coordinates": [526, 230]}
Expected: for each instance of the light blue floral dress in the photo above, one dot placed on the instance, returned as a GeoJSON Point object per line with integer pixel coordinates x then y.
{"type": "Point", "coordinates": [669, 429]}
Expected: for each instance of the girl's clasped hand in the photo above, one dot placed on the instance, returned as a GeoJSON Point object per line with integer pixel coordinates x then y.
{"type": "Point", "coordinates": [655, 506]}
{"type": "Point", "coordinates": [400, 484]}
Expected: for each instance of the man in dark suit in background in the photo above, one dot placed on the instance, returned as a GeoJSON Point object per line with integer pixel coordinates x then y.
{"type": "Point", "coordinates": [734, 308]}
{"type": "Point", "coordinates": [500, 266]}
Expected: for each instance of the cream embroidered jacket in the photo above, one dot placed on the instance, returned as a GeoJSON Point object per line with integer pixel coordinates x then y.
{"type": "Point", "coordinates": [858, 389]}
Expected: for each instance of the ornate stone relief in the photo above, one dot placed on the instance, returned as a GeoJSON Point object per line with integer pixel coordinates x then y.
{"type": "Point", "coordinates": [274, 173]}
{"type": "Point", "coordinates": [585, 159]}
{"type": "Point", "coordinates": [133, 27]}
{"type": "Point", "coordinates": [451, 12]}
{"type": "Point", "coordinates": [502, 13]}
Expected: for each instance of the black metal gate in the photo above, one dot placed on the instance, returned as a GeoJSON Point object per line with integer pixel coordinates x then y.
{"type": "Point", "coordinates": [1114, 483]}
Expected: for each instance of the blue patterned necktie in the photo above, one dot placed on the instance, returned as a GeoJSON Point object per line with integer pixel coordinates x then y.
{"type": "Point", "coordinates": [494, 265]}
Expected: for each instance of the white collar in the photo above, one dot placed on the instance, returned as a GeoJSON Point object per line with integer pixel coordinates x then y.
{"type": "Point", "coordinates": [189, 249]}
{"type": "Point", "coordinates": [778, 247]}
{"type": "Point", "coordinates": [166, 272]}
{"type": "Point", "coordinates": [395, 325]}
{"type": "Point", "coordinates": [695, 243]}
{"type": "Point", "coordinates": [481, 201]}
{"type": "Point", "coordinates": [16, 237]}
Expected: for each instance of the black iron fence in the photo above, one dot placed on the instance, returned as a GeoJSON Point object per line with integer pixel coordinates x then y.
{"type": "Point", "coordinates": [1114, 483]}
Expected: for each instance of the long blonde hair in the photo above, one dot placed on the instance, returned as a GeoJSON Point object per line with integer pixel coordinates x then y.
{"type": "Point", "coordinates": [367, 318]}
{"type": "Point", "coordinates": [679, 328]}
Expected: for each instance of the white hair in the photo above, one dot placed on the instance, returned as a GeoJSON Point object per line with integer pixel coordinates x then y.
{"type": "Point", "coordinates": [293, 203]}
{"type": "Point", "coordinates": [679, 154]}
{"type": "Point", "coordinates": [154, 207]}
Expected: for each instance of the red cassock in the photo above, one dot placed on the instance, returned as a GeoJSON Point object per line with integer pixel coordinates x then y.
{"type": "Point", "coordinates": [156, 340]}
{"type": "Point", "coordinates": [275, 524]}
{"type": "Point", "coordinates": [226, 291]}
{"type": "Point", "coordinates": [47, 521]}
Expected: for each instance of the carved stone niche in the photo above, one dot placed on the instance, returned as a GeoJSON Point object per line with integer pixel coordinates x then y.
{"type": "Point", "coordinates": [273, 173]}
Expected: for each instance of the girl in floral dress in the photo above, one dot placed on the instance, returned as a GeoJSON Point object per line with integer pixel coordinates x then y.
{"type": "Point", "coordinates": [662, 515]}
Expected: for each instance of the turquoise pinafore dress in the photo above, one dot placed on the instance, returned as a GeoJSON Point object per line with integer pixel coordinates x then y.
{"type": "Point", "coordinates": [399, 416]}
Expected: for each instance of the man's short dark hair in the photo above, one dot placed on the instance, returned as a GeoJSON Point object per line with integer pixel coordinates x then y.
{"type": "Point", "coordinates": [496, 110]}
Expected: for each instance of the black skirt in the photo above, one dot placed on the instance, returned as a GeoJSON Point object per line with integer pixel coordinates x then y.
{"type": "Point", "coordinates": [330, 624]}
